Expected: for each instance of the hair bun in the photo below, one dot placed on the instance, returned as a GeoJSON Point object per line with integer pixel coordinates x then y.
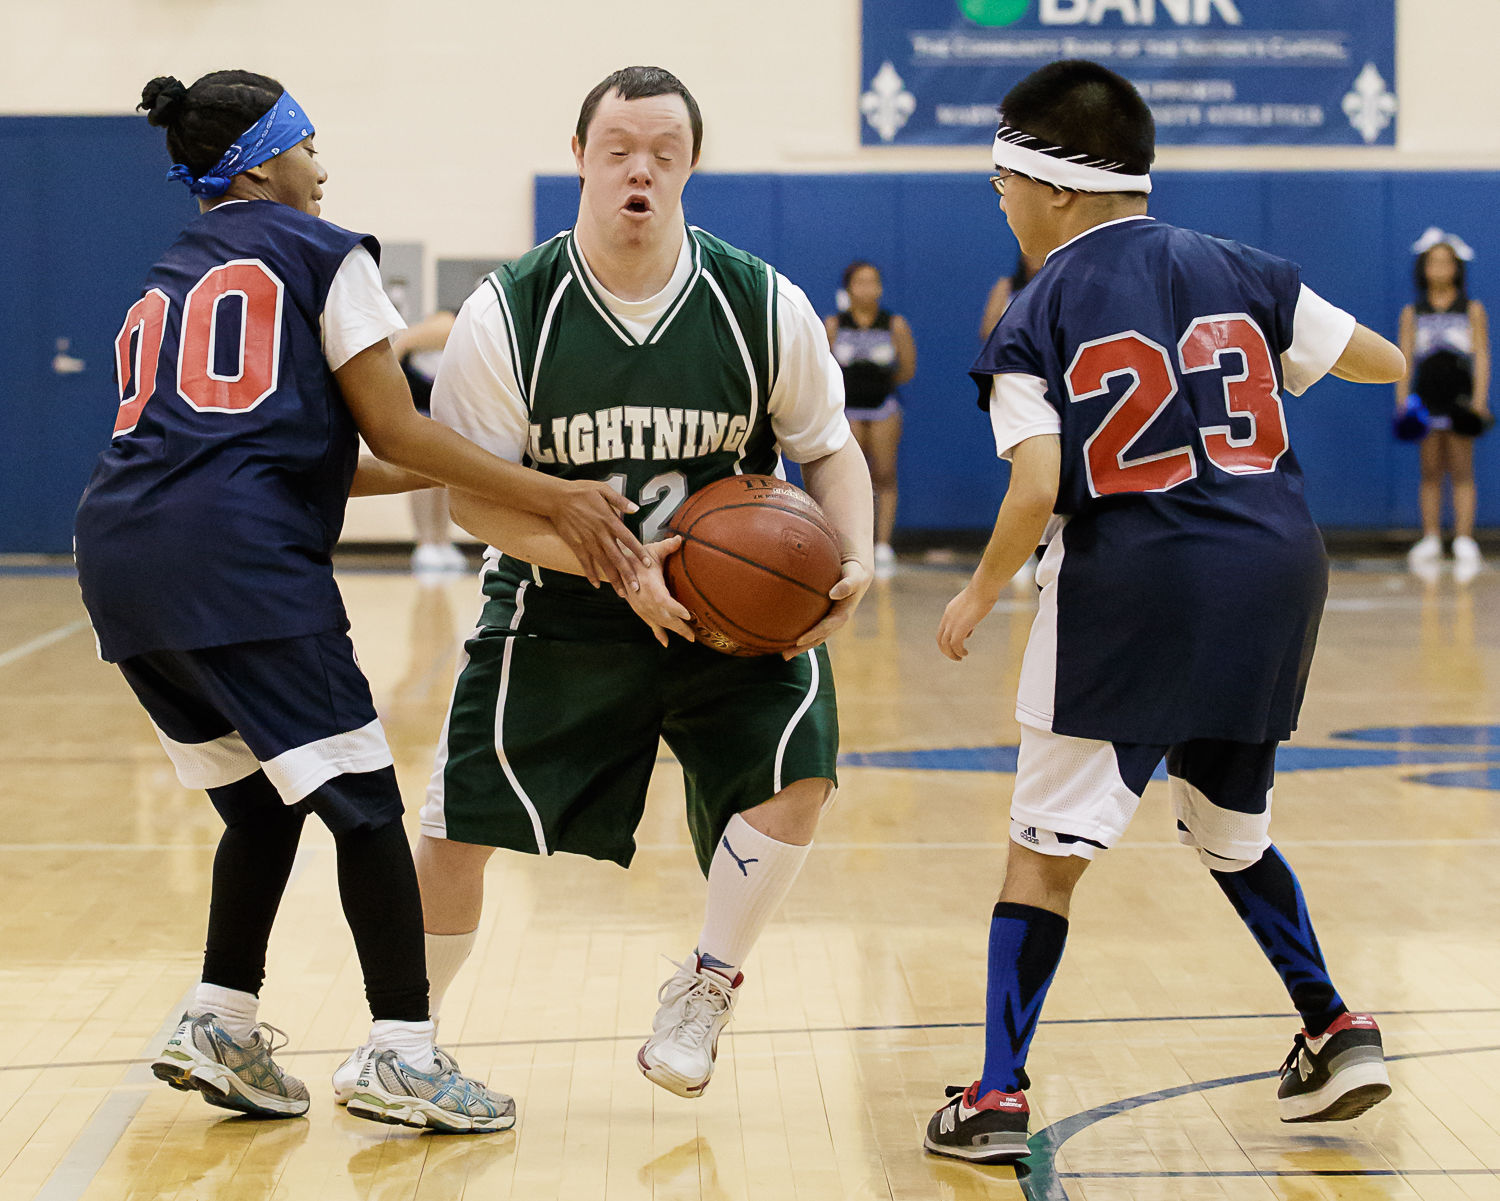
{"type": "Point", "coordinates": [161, 99]}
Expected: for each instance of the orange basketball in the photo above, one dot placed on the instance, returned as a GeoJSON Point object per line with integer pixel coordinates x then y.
{"type": "Point", "coordinates": [757, 561]}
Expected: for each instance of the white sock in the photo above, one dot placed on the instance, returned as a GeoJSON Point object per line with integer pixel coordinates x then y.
{"type": "Point", "coordinates": [412, 1042]}
{"type": "Point", "coordinates": [749, 876]}
{"type": "Point", "coordinates": [445, 955]}
{"type": "Point", "coordinates": [237, 1011]}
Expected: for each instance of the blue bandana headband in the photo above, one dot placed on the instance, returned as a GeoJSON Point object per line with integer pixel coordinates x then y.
{"type": "Point", "coordinates": [283, 126]}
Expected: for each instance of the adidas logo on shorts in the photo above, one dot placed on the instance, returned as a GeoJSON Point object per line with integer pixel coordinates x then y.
{"type": "Point", "coordinates": [1028, 834]}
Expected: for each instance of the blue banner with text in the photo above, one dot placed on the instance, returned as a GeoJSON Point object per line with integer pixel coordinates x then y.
{"type": "Point", "coordinates": [1235, 72]}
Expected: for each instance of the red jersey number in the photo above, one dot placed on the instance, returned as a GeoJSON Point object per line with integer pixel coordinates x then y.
{"type": "Point", "coordinates": [1151, 388]}
{"type": "Point", "coordinates": [1252, 394]}
{"type": "Point", "coordinates": [138, 344]}
{"type": "Point", "coordinates": [144, 325]}
{"type": "Point", "coordinates": [260, 295]}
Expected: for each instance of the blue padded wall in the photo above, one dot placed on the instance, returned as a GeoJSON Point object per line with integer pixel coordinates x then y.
{"type": "Point", "coordinates": [941, 241]}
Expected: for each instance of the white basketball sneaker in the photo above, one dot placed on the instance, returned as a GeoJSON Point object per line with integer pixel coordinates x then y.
{"type": "Point", "coordinates": [346, 1075]}
{"type": "Point", "coordinates": [696, 1004]}
{"type": "Point", "coordinates": [444, 1100]}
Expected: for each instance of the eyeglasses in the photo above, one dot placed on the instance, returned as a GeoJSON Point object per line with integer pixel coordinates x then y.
{"type": "Point", "coordinates": [998, 182]}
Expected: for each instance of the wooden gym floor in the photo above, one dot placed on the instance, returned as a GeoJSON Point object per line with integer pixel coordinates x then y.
{"type": "Point", "coordinates": [1154, 1066]}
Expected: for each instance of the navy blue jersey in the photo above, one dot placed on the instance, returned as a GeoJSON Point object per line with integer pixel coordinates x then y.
{"type": "Point", "coordinates": [211, 517]}
{"type": "Point", "coordinates": [1188, 579]}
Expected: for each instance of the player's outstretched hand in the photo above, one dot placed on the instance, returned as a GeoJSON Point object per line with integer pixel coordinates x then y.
{"type": "Point", "coordinates": [964, 612]}
{"type": "Point", "coordinates": [846, 595]}
{"type": "Point", "coordinates": [653, 602]}
{"type": "Point", "coordinates": [586, 515]}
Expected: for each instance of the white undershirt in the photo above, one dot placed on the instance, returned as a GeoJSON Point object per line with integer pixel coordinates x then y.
{"type": "Point", "coordinates": [1019, 408]}
{"type": "Point", "coordinates": [357, 313]}
{"type": "Point", "coordinates": [476, 391]}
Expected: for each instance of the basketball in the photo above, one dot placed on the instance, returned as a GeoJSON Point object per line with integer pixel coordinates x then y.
{"type": "Point", "coordinates": [757, 561]}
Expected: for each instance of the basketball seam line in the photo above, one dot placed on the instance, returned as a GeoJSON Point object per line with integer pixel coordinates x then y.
{"type": "Point", "coordinates": [771, 571]}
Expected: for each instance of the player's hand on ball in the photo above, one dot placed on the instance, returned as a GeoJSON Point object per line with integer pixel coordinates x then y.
{"type": "Point", "coordinates": [964, 612]}
{"type": "Point", "coordinates": [652, 602]}
{"type": "Point", "coordinates": [846, 595]}
{"type": "Point", "coordinates": [586, 515]}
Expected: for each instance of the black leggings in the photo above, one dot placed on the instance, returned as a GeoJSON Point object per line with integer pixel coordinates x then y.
{"type": "Point", "coordinates": [377, 886]}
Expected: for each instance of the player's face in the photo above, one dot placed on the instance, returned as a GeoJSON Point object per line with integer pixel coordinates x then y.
{"type": "Point", "coordinates": [634, 164]}
{"type": "Point", "coordinates": [864, 288]}
{"type": "Point", "coordinates": [295, 177]}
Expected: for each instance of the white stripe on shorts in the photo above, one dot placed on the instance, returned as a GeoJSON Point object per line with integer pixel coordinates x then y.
{"type": "Point", "coordinates": [786, 734]}
{"type": "Point", "coordinates": [510, 650]}
{"type": "Point", "coordinates": [209, 764]}
{"type": "Point", "coordinates": [298, 772]}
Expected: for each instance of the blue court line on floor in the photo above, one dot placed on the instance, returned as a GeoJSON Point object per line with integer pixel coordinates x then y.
{"type": "Point", "coordinates": [731, 1034]}
{"type": "Point", "coordinates": [1041, 1181]}
{"type": "Point", "coordinates": [1288, 758]}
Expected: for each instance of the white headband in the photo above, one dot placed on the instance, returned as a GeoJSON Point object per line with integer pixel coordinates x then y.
{"type": "Point", "coordinates": [1436, 237]}
{"type": "Point", "coordinates": [1026, 155]}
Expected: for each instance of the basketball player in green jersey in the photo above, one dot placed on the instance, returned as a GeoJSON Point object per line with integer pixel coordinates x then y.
{"type": "Point", "coordinates": [636, 350]}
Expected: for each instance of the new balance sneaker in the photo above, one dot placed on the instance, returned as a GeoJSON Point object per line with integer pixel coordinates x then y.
{"type": "Point", "coordinates": [987, 1129]}
{"type": "Point", "coordinates": [240, 1076]}
{"type": "Point", "coordinates": [346, 1075]}
{"type": "Point", "coordinates": [1336, 1076]}
{"type": "Point", "coordinates": [696, 1003]}
{"type": "Point", "coordinates": [387, 1089]}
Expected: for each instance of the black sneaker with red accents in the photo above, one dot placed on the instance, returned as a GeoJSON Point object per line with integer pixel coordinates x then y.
{"type": "Point", "coordinates": [1336, 1076]}
{"type": "Point", "coordinates": [987, 1129]}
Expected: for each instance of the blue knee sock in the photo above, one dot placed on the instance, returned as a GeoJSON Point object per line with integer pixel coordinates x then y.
{"type": "Point", "coordinates": [1269, 900]}
{"type": "Point", "coordinates": [1026, 945]}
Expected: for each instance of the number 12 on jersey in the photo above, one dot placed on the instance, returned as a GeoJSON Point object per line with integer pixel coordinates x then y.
{"type": "Point", "coordinates": [1251, 393]}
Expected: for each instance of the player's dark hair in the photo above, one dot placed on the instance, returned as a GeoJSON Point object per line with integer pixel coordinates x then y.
{"type": "Point", "coordinates": [640, 83]}
{"type": "Point", "coordinates": [1086, 108]}
{"type": "Point", "coordinates": [859, 265]}
{"type": "Point", "coordinates": [203, 121]}
{"type": "Point", "coordinates": [1460, 277]}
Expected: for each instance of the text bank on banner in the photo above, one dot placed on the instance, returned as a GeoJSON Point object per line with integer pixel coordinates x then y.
{"type": "Point", "coordinates": [1237, 72]}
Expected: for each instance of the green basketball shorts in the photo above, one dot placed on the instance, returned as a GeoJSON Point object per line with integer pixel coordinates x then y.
{"type": "Point", "coordinates": [549, 744]}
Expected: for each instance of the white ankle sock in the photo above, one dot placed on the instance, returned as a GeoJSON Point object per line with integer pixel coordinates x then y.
{"type": "Point", "coordinates": [748, 878]}
{"type": "Point", "coordinates": [237, 1011]}
{"type": "Point", "coordinates": [446, 953]}
{"type": "Point", "coordinates": [412, 1042]}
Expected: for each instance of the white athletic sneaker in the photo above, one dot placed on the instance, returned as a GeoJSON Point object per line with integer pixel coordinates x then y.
{"type": "Point", "coordinates": [346, 1075]}
{"type": "Point", "coordinates": [202, 1055]}
{"type": "Point", "coordinates": [1466, 551]}
{"type": "Point", "coordinates": [1428, 550]}
{"type": "Point", "coordinates": [696, 1003]}
{"type": "Point", "coordinates": [438, 558]}
{"type": "Point", "coordinates": [387, 1089]}
{"type": "Point", "coordinates": [885, 561]}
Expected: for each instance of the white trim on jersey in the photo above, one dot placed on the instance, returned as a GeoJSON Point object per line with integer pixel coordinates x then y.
{"type": "Point", "coordinates": [213, 764]}
{"type": "Point", "coordinates": [1036, 694]}
{"type": "Point", "coordinates": [509, 322]}
{"type": "Point", "coordinates": [580, 269]}
{"type": "Point", "coordinates": [682, 297]}
{"type": "Point", "coordinates": [303, 769]}
{"type": "Point", "coordinates": [786, 734]}
{"type": "Point", "coordinates": [500, 756]}
{"type": "Point", "coordinates": [541, 341]}
{"type": "Point", "coordinates": [739, 340]}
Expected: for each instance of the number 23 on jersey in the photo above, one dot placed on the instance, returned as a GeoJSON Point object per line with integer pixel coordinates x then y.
{"type": "Point", "coordinates": [254, 374]}
{"type": "Point", "coordinates": [1250, 393]}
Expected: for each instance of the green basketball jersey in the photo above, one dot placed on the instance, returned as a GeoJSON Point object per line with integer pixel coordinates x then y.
{"type": "Point", "coordinates": [658, 417]}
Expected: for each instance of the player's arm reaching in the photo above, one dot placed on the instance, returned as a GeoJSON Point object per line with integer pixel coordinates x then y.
{"type": "Point", "coordinates": [1036, 466]}
{"type": "Point", "coordinates": [585, 513]}
{"type": "Point", "coordinates": [535, 539]}
{"type": "Point", "coordinates": [1369, 359]}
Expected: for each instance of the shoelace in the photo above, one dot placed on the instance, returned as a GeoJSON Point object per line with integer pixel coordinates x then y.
{"type": "Point", "coordinates": [1299, 1044]}
{"type": "Point", "coordinates": [272, 1033]}
{"type": "Point", "coordinates": [679, 984]}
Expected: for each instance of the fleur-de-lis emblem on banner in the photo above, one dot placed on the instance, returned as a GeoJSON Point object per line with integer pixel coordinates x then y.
{"type": "Point", "coordinates": [1370, 105]}
{"type": "Point", "coordinates": [887, 106]}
